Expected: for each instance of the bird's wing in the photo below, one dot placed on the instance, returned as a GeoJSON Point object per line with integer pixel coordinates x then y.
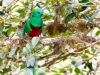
{"type": "Point", "coordinates": [42, 25]}
{"type": "Point", "coordinates": [27, 27]}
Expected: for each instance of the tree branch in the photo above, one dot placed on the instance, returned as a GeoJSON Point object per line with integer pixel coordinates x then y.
{"type": "Point", "coordinates": [58, 6]}
{"type": "Point", "coordinates": [11, 4]}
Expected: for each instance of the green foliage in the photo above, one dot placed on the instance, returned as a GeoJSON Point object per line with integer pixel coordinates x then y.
{"type": "Point", "coordinates": [84, 1]}
{"type": "Point", "coordinates": [2, 13]}
{"type": "Point", "coordinates": [0, 3]}
{"type": "Point", "coordinates": [46, 51]}
{"type": "Point", "coordinates": [21, 12]}
{"type": "Point", "coordinates": [95, 14]}
{"type": "Point", "coordinates": [35, 40]}
{"type": "Point", "coordinates": [98, 33]}
{"type": "Point", "coordinates": [47, 17]}
{"type": "Point", "coordinates": [38, 5]}
{"type": "Point", "coordinates": [6, 70]}
{"type": "Point", "coordinates": [89, 65]}
{"type": "Point", "coordinates": [1, 24]}
{"type": "Point", "coordinates": [14, 7]}
{"type": "Point", "coordinates": [16, 20]}
{"type": "Point", "coordinates": [11, 29]}
{"type": "Point", "coordinates": [26, 50]}
{"type": "Point", "coordinates": [73, 62]}
{"type": "Point", "coordinates": [69, 17]}
{"type": "Point", "coordinates": [77, 70]}
{"type": "Point", "coordinates": [1, 55]}
{"type": "Point", "coordinates": [29, 46]}
{"type": "Point", "coordinates": [58, 72]}
{"type": "Point", "coordinates": [87, 18]}
{"type": "Point", "coordinates": [85, 56]}
{"type": "Point", "coordinates": [28, 71]}
{"type": "Point", "coordinates": [15, 56]}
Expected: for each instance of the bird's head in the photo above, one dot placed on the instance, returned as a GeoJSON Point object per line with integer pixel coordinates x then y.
{"type": "Point", "coordinates": [37, 13]}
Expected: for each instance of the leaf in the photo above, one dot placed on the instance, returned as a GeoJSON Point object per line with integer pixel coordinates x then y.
{"type": "Point", "coordinates": [57, 74]}
{"type": "Point", "coordinates": [20, 33]}
{"type": "Point", "coordinates": [2, 13]}
{"type": "Point", "coordinates": [11, 29]}
{"type": "Point", "coordinates": [23, 3]}
{"type": "Point", "coordinates": [46, 51]}
{"type": "Point", "coordinates": [38, 5]}
{"type": "Point", "coordinates": [62, 1]}
{"type": "Point", "coordinates": [61, 70]}
{"type": "Point", "coordinates": [29, 47]}
{"type": "Point", "coordinates": [26, 51]}
{"type": "Point", "coordinates": [95, 14]}
{"type": "Point", "coordinates": [84, 1]}
{"type": "Point", "coordinates": [1, 55]}
{"type": "Point", "coordinates": [21, 12]}
{"type": "Point", "coordinates": [0, 3]}
{"type": "Point", "coordinates": [69, 17]}
{"type": "Point", "coordinates": [85, 56]}
{"type": "Point", "coordinates": [87, 18]}
{"type": "Point", "coordinates": [1, 24]}
{"type": "Point", "coordinates": [42, 74]}
{"type": "Point", "coordinates": [73, 62]}
{"type": "Point", "coordinates": [35, 40]}
{"type": "Point", "coordinates": [89, 52]}
{"type": "Point", "coordinates": [15, 20]}
{"type": "Point", "coordinates": [13, 52]}
{"type": "Point", "coordinates": [14, 7]}
{"type": "Point", "coordinates": [40, 71]}
{"type": "Point", "coordinates": [93, 7]}
{"type": "Point", "coordinates": [1, 69]}
{"type": "Point", "coordinates": [89, 65]}
{"type": "Point", "coordinates": [77, 70]}
{"type": "Point", "coordinates": [71, 70]}
{"type": "Point", "coordinates": [5, 70]}
{"type": "Point", "coordinates": [98, 33]}
{"type": "Point", "coordinates": [28, 71]}
{"type": "Point", "coordinates": [62, 10]}
{"type": "Point", "coordinates": [55, 71]}
{"type": "Point", "coordinates": [47, 17]}
{"type": "Point", "coordinates": [31, 0]}
{"type": "Point", "coordinates": [22, 66]}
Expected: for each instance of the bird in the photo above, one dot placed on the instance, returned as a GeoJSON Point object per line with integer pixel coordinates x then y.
{"type": "Point", "coordinates": [34, 25]}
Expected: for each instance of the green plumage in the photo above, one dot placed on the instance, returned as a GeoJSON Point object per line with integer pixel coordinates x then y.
{"type": "Point", "coordinates": [27, 27]}
{"type": "Point", "coordinates": [35, 20]}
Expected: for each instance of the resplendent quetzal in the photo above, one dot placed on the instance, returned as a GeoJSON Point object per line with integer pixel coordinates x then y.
{"type": "Point", "coordinates": [34, 25]}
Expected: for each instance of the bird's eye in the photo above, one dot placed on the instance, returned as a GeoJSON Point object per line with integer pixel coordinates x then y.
{"type": "Point", "coordinates": [38, 12]}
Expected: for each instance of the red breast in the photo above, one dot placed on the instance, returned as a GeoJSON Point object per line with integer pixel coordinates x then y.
{"type": "Point", "coordinates": [36, 31]}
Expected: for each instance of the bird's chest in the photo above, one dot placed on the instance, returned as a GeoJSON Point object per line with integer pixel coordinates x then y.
{"type": "Point", "coordinates": [36, 31]}
{"type": "Point", "coordinates": [36, 22]}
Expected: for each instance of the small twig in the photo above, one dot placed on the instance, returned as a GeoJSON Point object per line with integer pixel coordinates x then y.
{"type": "Point", "coordinates": [82, 48]}
{"type": "Point", "coordinates": [59, 57]}
{"type": "Point", "coordinates": [91, 57]}
{"type": "Point", "coordinates": [49, 63]}
{"type": "Point", "coordinates": [11, 4]}
{"type": "Point", "coordinates": [58, 6]}
{"type": "Point", "coordinates": [46, 56]}
{"type": "Point", "coordinates": [97, 66]}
